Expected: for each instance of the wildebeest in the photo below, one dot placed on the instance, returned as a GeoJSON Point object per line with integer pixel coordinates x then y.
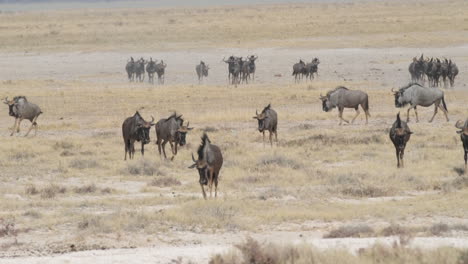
{"type": "Point", "coordinates": [135, 128]}
{"type": "Point", "coordinates": [463, 126]}
{"type": "Point", "coordinates": [298, 70]}
{"type": "Point", "coordinates": [415, 94]}
{"type": "Point", "coordinates": [151, 69]}
{"type": "Point", "coordinates": [140, 70]}
{"type": "Point", "coordinates": [267, 121]}
{"type": "Point", "coordinates": [245, 71]}
{"type": "Point", "coordinates": [452, 72]}
{"type": "Point", "coordinates": [311, 68]}
{"type": "Point", "coordinates": [171, 130]}
{"type": "Point", "coordinates": [400, 134]}
{"type": "Point", "coordinates": [341, 97]}
{"type": "Point", "coordinates": [20, 108]}
{"type": "Point", "coordinates": [230, 62]}
{"type": "Point", "coordinates": [160, 70]}
{"type": "Point", "coordinates": [130, 68]}
{"type": "Point", "coordinates": [252, 66]}
{"type": "Point", "coordinates": [202, 71]}
{"type": "Point", "coordinates": [416, 69]}
{"type": "Point", "coordinates": [208, 164]}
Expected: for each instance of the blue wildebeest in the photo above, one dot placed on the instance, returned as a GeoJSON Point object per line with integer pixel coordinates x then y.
{"type": "Point", "coordinates": [415, 94]}
{"type": "Point", "coordinates": [20, 108]}
{"type": "Point", "coordinates": [171, 130]}
{"type": "Point", "coordinates": [202, 71]}
{"type": "Point", "coordinates": [268, 121]}
{"type": "Point", "coordinates": [400, 134]}
{"type": "Point", "coordinates": [298, 70]}
{"type": "Point", "coordinates": [245, 71]}
{"type": "Point", "coordinates": [161, 70]}
{"type": "Point", "coordinates": [151, 69]}
{"type": "Point", "coordinates": [463, 126]}
{"type": "Point", "coordinates": [416, 69]}
{"type": "Point", "coordinates": [452, 72]}
{"type": "Point", "coordinates": [252, 66]}
{"type": "Point", "coordinates": [341, 97]}
{"type": "Point", "coordinates": [140, 70]}
{"type": "Point", "coordinates": [135, 128]}
{"type": "Point", "coordinates": [311, 68]}
{"type": "Point", "coordinates": [208, 164]}
{"type": "Point", "coordinates": [230, 62]}
{"type": "Point", "coordinates": [130, 68]}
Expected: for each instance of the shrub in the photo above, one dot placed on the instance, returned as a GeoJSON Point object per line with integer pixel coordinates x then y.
{"type": "Point", "coordinates": [143, 167]}
{"type": "Point", "coordinates": [83, 164]}
{"type": "Point", "coordinates": [350, 231]}
{"type": "Point", "coordinates": [165, 182]}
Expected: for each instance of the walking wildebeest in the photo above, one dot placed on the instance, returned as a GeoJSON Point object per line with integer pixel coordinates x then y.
{"type": "Point", "coordinates": [400, 134]}
{"type": "Point", "coordinates": [415, 94]}
{"type": "Point", "coordinates": [452, 72]}
{"type": "Point", "coordinates": [416, 69]}
{"type": "Point", "coordinates": [230, 62]}
{"type": "Point", "coordinates": [298, 70]}
{"type": "Point", "coordinates": [160, 70]}
{"type": "Point", "coordinates": [342, 98]}
{"type": "Point", "coordinates": [464, 138]}
{"type": "Point", "coordinates": [267, 121]}
{"type": "Point", "coordinates": [208, 164]}
{"type": "Point", "coordinates": [245, 71]}
{"type": "Point", "coordinates": [252, 66]}
{"type": "Point", "coordinates": [311, 68]}
{"type": "Point", "coordinates": [140, 70]}
{"type": "Point", "coordinates": [135, 128]}
{"type": "Point", "coordinates": [236, 71]}
{"type": "Point", "coordinates": [171, 130]}
{"type": "Point", "coordinates": [202, 71]}
{"type": "Point", "coordinates": [20, 108]}
{"type": "Point", "coordinates": [151, 69]}
{"type": "Point", "coordinates": [130, 68]}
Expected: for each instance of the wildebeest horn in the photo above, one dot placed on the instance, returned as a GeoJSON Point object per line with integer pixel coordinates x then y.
{"type": "Point", "coordinates": [152, 120]}
{"type": "Point", "coordinates": [5, 101]}
{"type": "Point", "coordinates": [193, 158]}
{"type": "Point", "coordinates": [256, 112]}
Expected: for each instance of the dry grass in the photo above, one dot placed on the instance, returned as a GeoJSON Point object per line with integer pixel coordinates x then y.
{"type": "Point", "coordinates": [360, 230]}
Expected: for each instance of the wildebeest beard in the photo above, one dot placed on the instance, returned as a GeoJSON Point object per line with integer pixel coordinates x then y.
{"type": "Point", "coordinates": [325, 106]}
{"type": "Point", "coordinates": [11, 112]}
{"type": "Point", "coordinates": [397, 103]}
{"type": "Point", "coordinates": [180, 138]}
{"type": "Point", "coordinates": [261, 124]}
{"type": "Point", "coordinates": [203, 175]}
{"type": "Point", "coordinates": [143, 135]}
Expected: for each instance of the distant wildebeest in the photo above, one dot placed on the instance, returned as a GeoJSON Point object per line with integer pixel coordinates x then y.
{"type": "Point", "coordinates": [140, 69]}
{"type": "Point", "coordinates": [135, 128]}
{"type": "Point", "coordinates": [415, 94]}
{"type": "Point", "coordinates": [435, 72]}
{"type": "Point", "coordinates": [245, 71]}
{"type": "Point", "coordinates": [400, 134]}
{"type": "Point", "coordinates": [160, 70]}
{"type": "Point", "coordinates": [130, 68]}
{"type": "Point", "coordinates": [311, 68]}
{"type": "Point", "coordinates": [230, 62]}
{"type": "Point", "coordinates": [202, 71]}
{"type": "Point", "coordinates": [341, 97]}
{"type": "Point", "coordinates": [20, 108]}
{"type": "Point", "coordinates": [416, 69]}
{"type": "Point", "coordinates": [236, 71]}
{"type": "Point", "coordinates": [452, 72]}
{"type": "Point", "coordinates": [208, 164]}
{"type": "Point", "coordinates": [252, 66]}
{"type": "Point", "coordinates": [463, 126]}
{"type": "Point", "coordinates": [171, 130]}
{"type": "Point", "coordinates": [151, 69]}
{"type": "Point", "coordinates": [267, 121]}
{"type": "Point", "coordinates": [298, 70]}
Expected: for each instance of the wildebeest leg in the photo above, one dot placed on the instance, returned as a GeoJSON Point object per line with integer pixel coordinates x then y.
{"type": "Point", "coordinates": [216, 185]}
{"type": "Point", "coordinates": [33, 124]}
{"type": "Point", "coordinates": [271, 141]}
{"type": "Point", "coordinates": [357, 113]}
{"type": "Point", "coordinates": [444, 111]}
{"type": "Point", "coordinates": [466, 158]}
{"type": "Point", "coordinates": [203, 191]}
{"type": "Point", "coordinates": [19, 125]}
{"type": "Point", "coordinates": [126, 149]}
{"type": "Point", "coordinates": [210, 180]}
{"type": "Point", "coordinates": [142, 148]}
{"type": "Point", "coordinates": [398, 157]}
{"type": "Point", "coordinates": [263, 138]}
{"type": "Point", "coordinates": [174, 150]}
{"type": "Point", "coordinates": [164, 148]}
{"type": "Point", "coordinates": [407, 113]}
{"type": "Point", "coordinates": [341, 115]}
{"type": "Point", "coordinates": [14, 127]}
{"type": "Point", "coordinates": [402, 152]}
{"type": "Point", "coordinates": [435, 111]}
{"type": "Point", "coordinates": [158, 142]}
{"type": "Point", "coordinates": [276, 137]}
{"type": "Point", "coordinates": [416, 114]}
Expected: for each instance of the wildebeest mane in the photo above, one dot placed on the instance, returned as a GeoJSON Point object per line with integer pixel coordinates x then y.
{"type": "Point", "coordinates": [200, 151]}
{"type": "Point", "coordinates": [266, 108]}
{"type": "Point", "coordinates": [336, 89]}
{"type": "Point", "coordinates": [174, 115]}
{"type": "Point", "coordinates": [17, 98]}
{"type": "Point", "coordinates": [409, 85]}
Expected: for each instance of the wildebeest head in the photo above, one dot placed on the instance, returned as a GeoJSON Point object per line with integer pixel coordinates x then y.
{"type": "Point", "coordinates": [143, 129]}
{"type": "Point", "coordinates": [327, 106]}
{"type": "Point", "coordinates": [400, 133]}
{"type": "Point", "coordinates": [11, 106]}
{"type": "Point", "coordinates": [399, 97]}
{"type": "Point", "coordinates": [261, 120]}
{"type": "Point", "coordinates": [316, 61]}
{"type": "Point", "coordinates": [463, 126]}
{"type": "Point", "coordinates": [181, 133]}
{"type": "Point", "coordinates": [201, 164]}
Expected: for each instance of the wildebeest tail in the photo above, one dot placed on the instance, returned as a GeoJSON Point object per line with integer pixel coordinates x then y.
{"type": "Point", "coordinates": [445, 105]}
{"type": "Point", "coordinates": [398, 120]}
{"type": "Point", "coordinates": [366, 106]}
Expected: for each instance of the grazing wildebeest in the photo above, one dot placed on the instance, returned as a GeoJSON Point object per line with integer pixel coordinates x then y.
{"type": "Point", "coordinates": [311, 68]}
{"type": "Point", "coordinates": [416, 69]}
{"type": "Point", "coordinates": [342, 98]}
{"type": "Point", "coordinates": [130, 68]}
{"type": "Point", "coordinates": [160, 70]}
{"type": "Point", "coordinates": [208, 164]}
{"type": "Point", "coordinates": [252, 66]}
{"type": "Point", "coordinates": [298, 70]}
{"type": "Point", "coordinates": [20, 108]}
{"type": "Point", "coordinates": [464, 138]}
{"type": "Point", "coordinates": [452, 72]}
{"type": "Point", "coordinates": [171, 130]}
{"type": "Point", "coordinates": [140, 70]}
{"type": "Point", "coordinates": [135, 128]}
{"type": "Point", "coordinates": [267, 121]}
{"type": "Point", "coordinates": [400, 134]}
{"type": "Point", "coordinates": [151, 69]}
{"type": "Point", "coordinates": [202, 71]}
{"type": "Point", "coordinates": [415, 94]}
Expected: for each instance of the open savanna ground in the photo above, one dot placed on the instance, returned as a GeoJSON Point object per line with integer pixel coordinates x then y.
{"type": "Point", "coordinates": [334, 187]}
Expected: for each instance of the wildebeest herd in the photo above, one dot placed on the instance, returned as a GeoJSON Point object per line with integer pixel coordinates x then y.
{"type": "Point", "coordinates": [434, 70]}
{"type": "Point", "coordinates": [172, 129]}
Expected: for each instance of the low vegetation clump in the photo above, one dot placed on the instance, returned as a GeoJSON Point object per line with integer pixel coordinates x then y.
{"type": "Point", "coordinates": [360, 230]}
{"type": "Point", "coordinates": [279, 160]}
{"type": "Point", "coordinates": [51, 191]}
{"type": "Point", "coordinates": [165, 182]}
{"type": "Point", "coordinates": [252, 251]}
{"type": "Point", "coordinates": [83, 164]}
{"type": "Point", "coordinates": [143, 167]}
{"type": "Point", "coordinates": [90, 188]}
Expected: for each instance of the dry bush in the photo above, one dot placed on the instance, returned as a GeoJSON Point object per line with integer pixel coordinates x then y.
{"type": "Point", "coordinates": [22, 155]}
{"type": "Point", "coordinates": [83, 164]}
{"type": "Point", "coordinates": [395, 230]}
{"type": "Point", "coordinates": [32, 214]}
{"type": "Point", "coordinates": [143, 167]}
{"type": "Point", "coordinates": [352, 185]}
{"type": "Point", "coordinates": [210, 129]}
{"type": "Point", "coordinates": [360, 230]}
{"type": "Point", "coordinates": [365, 191]}
{"type": "Point", "coordinates": [63, 145]}
{"type": "Point", "coordinates": [279, 160]}
{"type": "Point", "coordinates": [51, 191]}
{"type": "Point", "coordinates": [90, 188]}
{"type": "Point", "coordinates": [438, 229]}
{"type": "Point", "coordinates": [31, 190]}
{"type": "Point", "coordinates": [67, 153]}
{"type": "Point", "coordinates": [7, 228]}
{"type": "Point", "coordinates": [165, 182]}
{"type": "Point", "coordinates": [456, 184]}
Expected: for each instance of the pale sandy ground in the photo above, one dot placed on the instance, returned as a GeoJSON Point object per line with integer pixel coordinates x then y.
{"type": "Point", "coordinates": [386, 67]}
